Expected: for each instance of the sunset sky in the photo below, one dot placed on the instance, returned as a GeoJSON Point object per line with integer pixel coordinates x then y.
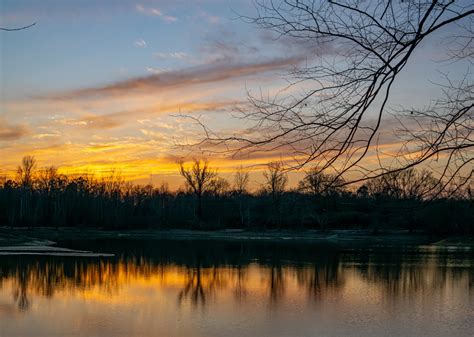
{"type": "Point", "coordinates": [99, 85]}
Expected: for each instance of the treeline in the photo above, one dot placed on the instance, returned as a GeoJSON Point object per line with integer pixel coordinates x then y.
{"type": "Point", "coordinates": [408, 199]}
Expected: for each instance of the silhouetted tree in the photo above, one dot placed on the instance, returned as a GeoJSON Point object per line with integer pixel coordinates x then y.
{"type": "Point", "coordinates": [47, 198]}
{"type": "Point", "coordinates": [241, 180]}
{"type": "Point", "coordinates": [25, 172]}
{"type": "Point", "coordinates": [318, 183]}
{"type": "Point", "coordinates": [407, 184]}
{"type": "Point", "coordinates": [218, 187]}
{"type": "Point", "coordinates": [275, 181]}
{"type": "Point", "coordinates": [198, 178]}
{"type": "Point", "coordinates": [25, 176]}
{"type": "Point", "coordinates": [363, 191]}
{"type": "Point", "coordinates": [275, 178]}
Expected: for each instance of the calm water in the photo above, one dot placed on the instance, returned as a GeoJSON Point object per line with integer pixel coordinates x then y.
{"type": "Point", "coordinates": [166, 288]}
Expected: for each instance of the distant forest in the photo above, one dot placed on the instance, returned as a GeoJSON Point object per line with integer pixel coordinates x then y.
{"type": "Point", "coordinates": [407, 199]}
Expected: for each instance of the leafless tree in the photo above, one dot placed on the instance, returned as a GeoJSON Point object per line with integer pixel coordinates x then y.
{"type": "Point", "coordinates": [218, 186]}
{"type": "Point", "coordinates": [336, 120]}
{"type": "Point", "coordinates": [51, 184]}
{"type": "Point", "coordinates": [25, 172]}
{"type": "Point", "coordinates": [407, 184]}
{"type": "Point", "coordinates": [319, 183]}
{"type": "Point", "coordinates": [25, 177]}
{"type": "Point", "coordinates": [198, 178]}
{"type": "Point", "coordinates": [47, 178]}
{"type": "Point", "coordinates": [275, 181]}
{"type": "Point", "coordinates": [275, 178]}
{"type": "Point", "coordinates": [241, 180]}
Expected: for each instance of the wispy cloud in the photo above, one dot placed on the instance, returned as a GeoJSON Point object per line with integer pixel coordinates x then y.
{"type": "Point", "coordinates": [210, 18]}
{"type": "Point", "coordinates": [10, 132]}
{"type": "Point", "coordinates": [115, 119]}
{"type": "Point", "coordinates": [46, 135]}
{"type": "Point", "coordinates": [209, 73]}
{"type": "Point", "coordinates": [173, 55]}
{"type": "Point", "coordinates": [140, 43]}
{"type": "Point", "coordinates": [155, 70]}
{"type": "Point", "coordinates": [156, 12]}
{"type": "Point", "coordinates": [99, 122]}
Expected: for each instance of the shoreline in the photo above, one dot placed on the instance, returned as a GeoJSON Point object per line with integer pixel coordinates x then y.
{"type": "Point", "coordinates": [47, 236]}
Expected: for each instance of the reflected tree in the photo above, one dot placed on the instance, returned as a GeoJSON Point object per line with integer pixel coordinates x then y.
{"type": "Point", "coordinates": [276, 283]}
{"type": "Point", "coordinates": [20, 292]}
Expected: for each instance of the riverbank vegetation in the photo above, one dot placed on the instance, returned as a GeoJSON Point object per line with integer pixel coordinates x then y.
{"type": "Point", "coordinates": [408, 199]}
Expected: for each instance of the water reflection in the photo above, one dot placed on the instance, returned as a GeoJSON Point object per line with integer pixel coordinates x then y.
{"type": "Point", "coordinates": [203, 272]}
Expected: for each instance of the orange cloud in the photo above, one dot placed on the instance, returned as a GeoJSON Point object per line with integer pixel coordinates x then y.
{"type": "Point", "coordinates": [209, 73]}
{"type": "Point", "coordinates": [114, 119]}
{"type": "Point", "coordinates": [10, 132]}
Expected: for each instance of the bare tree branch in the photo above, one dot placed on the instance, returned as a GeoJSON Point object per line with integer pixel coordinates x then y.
{"type": "Point", "coordinates": [336, 120]}
{"type": "Point", "coordinates": [17, 29]}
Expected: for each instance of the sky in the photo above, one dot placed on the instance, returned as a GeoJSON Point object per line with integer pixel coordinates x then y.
{"type": "Point", "coordinates": [103, 85]}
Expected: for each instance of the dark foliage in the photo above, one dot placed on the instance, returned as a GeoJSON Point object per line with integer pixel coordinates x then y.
{"type": "Point", "coordinates": [53, 200]}
{"type": "Point", "coordinates": [45, 198]}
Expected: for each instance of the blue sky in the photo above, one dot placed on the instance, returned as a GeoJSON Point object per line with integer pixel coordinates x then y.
{"type": "Point", "coordinates": [82, 43]}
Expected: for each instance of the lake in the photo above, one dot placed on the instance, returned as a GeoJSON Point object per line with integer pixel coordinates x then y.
{"type": "Point", "coordinates": [210, 288]}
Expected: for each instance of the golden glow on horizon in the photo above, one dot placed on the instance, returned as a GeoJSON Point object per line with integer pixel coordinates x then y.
{"type": "Point", "coordinates": [138, 133]}
{"type": "Point", "coordinates": [102, 159]}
